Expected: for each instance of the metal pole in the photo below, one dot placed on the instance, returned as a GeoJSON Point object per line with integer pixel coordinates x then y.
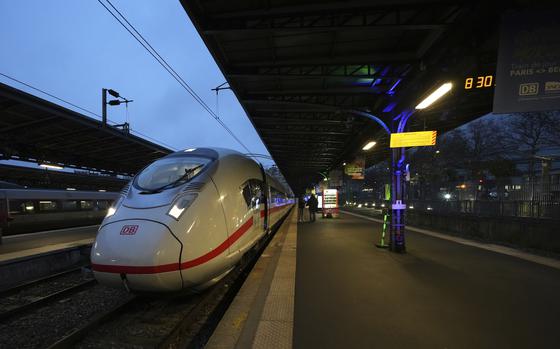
{"type": "Point", "coordinates": [397, 202]}
{"type": "Point", "coordinates": [104, 106]}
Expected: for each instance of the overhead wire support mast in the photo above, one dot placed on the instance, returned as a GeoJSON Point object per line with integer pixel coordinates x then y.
{"type": "Point", "coordinates": [217, 89]}
{"type": "Point", "coordinates": [120, 100]}
{"type": "Point", "coordinates": [154, 53]}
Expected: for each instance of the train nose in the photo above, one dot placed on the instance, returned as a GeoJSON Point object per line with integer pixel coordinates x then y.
{"type": "Point", "coordinates": [137, 254]}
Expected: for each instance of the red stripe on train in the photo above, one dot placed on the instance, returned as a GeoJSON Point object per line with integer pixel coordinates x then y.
{"type": "Point", "coordinates": [218, 250]}
{"type": "Point", "coordinates": [105, 268]}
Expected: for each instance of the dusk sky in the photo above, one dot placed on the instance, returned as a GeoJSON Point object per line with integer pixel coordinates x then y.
{"type": "Point", "coordinates": [72, 49]}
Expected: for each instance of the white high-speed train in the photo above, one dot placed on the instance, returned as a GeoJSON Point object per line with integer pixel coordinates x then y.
{"type": "Point", "coordinates": [185, 221]}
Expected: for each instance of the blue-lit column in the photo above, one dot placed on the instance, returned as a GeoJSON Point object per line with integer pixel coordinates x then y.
{"type": "Point", "coordinates": [397, 202]}
{"type": "Point", "coordinates": [398, 173]}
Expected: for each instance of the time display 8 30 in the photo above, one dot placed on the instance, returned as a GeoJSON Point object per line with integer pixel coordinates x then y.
{"type": "Point", "coordinates": [479, 82]}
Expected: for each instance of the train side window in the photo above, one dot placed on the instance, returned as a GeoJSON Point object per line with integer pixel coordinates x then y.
{"type": "Point", "coordinates": [256, 193]}
{"type": "Point", "coordinates": [21, 207]}
{"type": "Point", "coordinates": [246, 191]}
{"type": "Point", "coordinates": [275, 195]}
{"type": "Point", "coordinates": [102, 204]}
{"type": "Point", "coordinates": [86, 205]}
{"type": "Point", "coordinates": [70, 205]}
{"type": "Point", "coordinates": [47, 205]}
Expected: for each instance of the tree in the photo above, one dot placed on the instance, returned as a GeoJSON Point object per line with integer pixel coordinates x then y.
{"type": "Point", "coordinates": [552, 136]}
{"type": "Point", "coordinates": [485, 142]}
{"type": "Point", "coordinates": [529, 133]}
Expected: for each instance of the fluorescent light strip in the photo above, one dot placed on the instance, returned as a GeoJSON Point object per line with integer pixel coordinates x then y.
{"type": "Point", "coordinates": [55, 167]}
{"type": "Point", "coordinates": [369, 145]}
{"type": "Point", "coordinates": [434, 96]}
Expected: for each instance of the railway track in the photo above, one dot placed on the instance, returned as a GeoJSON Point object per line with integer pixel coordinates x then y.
{"type": "Point", "coordinates": [26, 297]}
{"type": "Point", "coordinates": [152, 322]}
{"type": "Point", "coordinates": [67, 310]}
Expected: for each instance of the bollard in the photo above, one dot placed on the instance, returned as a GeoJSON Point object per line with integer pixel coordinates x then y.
{"type": "Point", "coordinates": [382, 243]}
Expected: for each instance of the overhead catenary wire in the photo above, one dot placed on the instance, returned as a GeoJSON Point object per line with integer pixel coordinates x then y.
{"type": "Point", "coordinates": [154, 53]}
{"type": "Point", "coordinates": [82, 109]}
{"type": "Point", "coordinates": [48, 94]}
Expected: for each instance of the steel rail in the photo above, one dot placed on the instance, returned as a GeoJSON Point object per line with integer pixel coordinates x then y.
{"type": "Point", "coordinates": [46, 299]}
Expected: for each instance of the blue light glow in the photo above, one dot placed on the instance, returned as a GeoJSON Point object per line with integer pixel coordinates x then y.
{"type": "Point", "coordinates": [376, 82]}
{"type": "Point", "coordinates": [372, 117]}
{"type": "Point", "coordinates": [363, 82]}
{"type": "Point", "coordinates": [392, 89]}
{"type": "Point", "coordinates": [389, 107]}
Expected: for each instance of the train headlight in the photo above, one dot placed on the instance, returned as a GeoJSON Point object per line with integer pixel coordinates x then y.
{"type": "Point", "coordinates": [181, 204]}
{"type": "Point", "coordinates": [111, 211]}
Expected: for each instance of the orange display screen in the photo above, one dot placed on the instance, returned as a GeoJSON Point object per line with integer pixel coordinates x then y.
{"type": "Point", "coordinates": [475, 82]}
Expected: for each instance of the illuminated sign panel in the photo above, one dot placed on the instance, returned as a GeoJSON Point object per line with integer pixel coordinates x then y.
{"type": "Point", "coordinates": [477, 82]}
{"type": "Point", "coordinates": [355, 169]}
{"type": "Point", "coordinates": [528, 69]}
{"type": "Point", "coordinates": [413, 139]}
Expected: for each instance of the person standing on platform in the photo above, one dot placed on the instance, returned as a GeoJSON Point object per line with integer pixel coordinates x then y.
{"type": "Point", "coordinates": [301, 207]}
{"type": "Point", "coordinates": [312, 203]}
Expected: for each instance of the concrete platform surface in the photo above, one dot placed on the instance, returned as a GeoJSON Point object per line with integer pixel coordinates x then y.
{"type": "Point", "coordinates": [261, 315]}
{"type": "Point", "coordinates": [20, 246]}
{"type": "Point", "coordinates": [441, 294]}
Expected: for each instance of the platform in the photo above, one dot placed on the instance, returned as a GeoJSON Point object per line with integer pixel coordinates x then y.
{"type": "Point", "coordinates": [25, 245]}
{"type": "Point", "coordinates": [261, 315]}
{"type": "Point", "coordinates": [349, 294]}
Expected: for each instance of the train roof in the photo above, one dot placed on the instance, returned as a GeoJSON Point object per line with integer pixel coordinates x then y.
{"type": "Point", "coordinates": [217, 153]}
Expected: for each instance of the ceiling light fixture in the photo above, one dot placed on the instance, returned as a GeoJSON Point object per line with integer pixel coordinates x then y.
{"type": "Point", "coordinates": [369, 145]}
{"type": "Point", "coordinates": [434, 96]}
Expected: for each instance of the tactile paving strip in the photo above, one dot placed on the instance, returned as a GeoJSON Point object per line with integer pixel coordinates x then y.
{"type": "Point", "coordinates": [275, 329]}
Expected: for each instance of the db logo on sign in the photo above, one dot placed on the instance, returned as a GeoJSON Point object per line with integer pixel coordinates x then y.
{"type": "Point", "coordinates": [530, 89]}
{"type": "Point", "coordinates": [129, 229]}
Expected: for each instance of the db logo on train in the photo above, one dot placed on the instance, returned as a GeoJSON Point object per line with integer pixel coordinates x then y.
{"type": "Point", "coordinates": [129, 229]}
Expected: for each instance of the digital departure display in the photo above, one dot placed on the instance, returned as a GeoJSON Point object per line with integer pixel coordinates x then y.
{"type": "Point", "coordinates": [474, 82]}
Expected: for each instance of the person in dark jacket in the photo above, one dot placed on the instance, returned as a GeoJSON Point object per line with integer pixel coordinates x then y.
{"type": "Point", "coordinates": [301, 207]}
{"type": "Point", "coordinates": [312, 203]}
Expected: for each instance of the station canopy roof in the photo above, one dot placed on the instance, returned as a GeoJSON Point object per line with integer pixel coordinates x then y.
{"type": "Point", "coordinates": [14, 176]}
{"type": "Point", "coordinates": [33, 129]}
{"type": "Point", "coordinates": [303, 71]}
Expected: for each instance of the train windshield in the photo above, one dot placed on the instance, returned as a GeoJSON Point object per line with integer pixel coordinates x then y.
{"type": "Point", "coordinates": [169, 172]}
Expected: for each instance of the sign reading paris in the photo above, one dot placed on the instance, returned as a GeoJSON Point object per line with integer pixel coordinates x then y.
{"type": "Point", "coordinates": [528, 70]}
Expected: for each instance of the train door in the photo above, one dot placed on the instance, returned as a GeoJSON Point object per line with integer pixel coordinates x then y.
{"type": "Point", "coordinates": [3, 214]}
{"type": "Point", "coordinates": [257, 204]}
{"type": "Point", "coordinates": [265, 196]}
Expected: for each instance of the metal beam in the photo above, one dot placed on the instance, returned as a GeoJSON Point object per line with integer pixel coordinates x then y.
{"type": "Point", "coordinates": [315, 70]}
{"type": "Point", "coordinates": [105, 149]}
{"type": "Point", "coordinates": [333, 103]}
{"type": "Point", "coordinates": [325, 160]}
{"type": "Point", "coordinates": [302, 140]}
{"type": "Point", "coordinates": [27, 124]}
{"type": "Point", "coordinates": [344, 10]}
{"type": "Point", "coordinates": [309, 29]}
{"type": "Point", "coordinates": [293, 153]}
{"type": "Point", "coordinates": [61, 135]}
{"type": "Point", "coordinates": [374, 57]}
{"type": "Point", "coordinates": [96, 140]}
{"type": "Point", "coordinates": [350, 90]}
{"type": "Point", "coordinates": [321, 159]}
{"type": "Point", "coordinates": [303, 132]}
{"type": "Point", "coordinates": [294, 122]}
